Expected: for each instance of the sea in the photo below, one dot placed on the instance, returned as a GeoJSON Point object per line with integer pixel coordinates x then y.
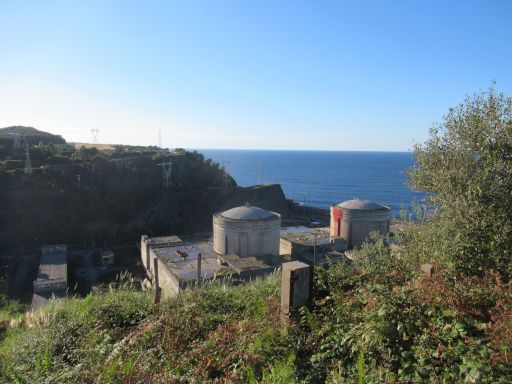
{"type": "Point", "coordinates": [323, 178]}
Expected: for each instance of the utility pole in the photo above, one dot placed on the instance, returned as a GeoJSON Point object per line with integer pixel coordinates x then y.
{"type": "Point", "coordinates": [199, 256]}
{"type": "Point", "coordinates": [28, 163]}
{"type": "Point", "coordinates": [261, 173]}
{"type": "Point", "coordinates": [226, 175]}
{"type": "Point", "coordinates": [94, 135]}
{"type": "Point", "coordinates": [314, 250]}
{"type": "Point", "coordinates": [167, 173]}
{"type": "Point", "coordinates": [159, 138]}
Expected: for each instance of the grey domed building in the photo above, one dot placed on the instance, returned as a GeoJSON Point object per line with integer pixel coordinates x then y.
{"type": "Point", "coordinates": [246, 231]}
{"type": "Point", "coordinates": [355, 219]}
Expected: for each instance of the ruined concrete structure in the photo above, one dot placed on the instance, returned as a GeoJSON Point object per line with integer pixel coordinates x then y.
{"type": "Point", "coordinates": [245, 245]}
{"type": "Point", "coordinates": [147, 243]}
{"type": "Point", "coordinates": [310, 245]}
{"type": "Point", "coordinates": [354, 220]}
{"type": "Point", "coordinates": [296, 286]}
{"type": "Point", "coordinates": [248, 242]}
{"type": "Point", "coordinates": [107, 258]}
{"type": "Point", "coordinates": [52, 278]}
{"type": "Point", "coordinates": [246, 231]}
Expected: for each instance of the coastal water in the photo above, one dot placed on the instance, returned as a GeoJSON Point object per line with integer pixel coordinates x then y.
{"type": "Point", "coordinates": [322, 178]}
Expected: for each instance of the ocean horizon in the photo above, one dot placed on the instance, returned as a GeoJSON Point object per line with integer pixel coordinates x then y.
{"type": "Point", "coordinates": [323, 178]}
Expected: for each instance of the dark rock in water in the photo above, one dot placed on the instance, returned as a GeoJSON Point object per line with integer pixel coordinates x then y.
{"type": "Point", "coordinates": [270, 197]}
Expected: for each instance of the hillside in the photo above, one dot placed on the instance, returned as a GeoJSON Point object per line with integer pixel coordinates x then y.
{"type": "Point", "coordinates": [432, 304]}
{"type": "Point", "coordinates": [374, 321]}
{"type": "Point", "coordinates": [103, 194]}
{"type": "Point", "coordinates": [29, 134]}
{"type": "Point", "coordinates": [87, 196]}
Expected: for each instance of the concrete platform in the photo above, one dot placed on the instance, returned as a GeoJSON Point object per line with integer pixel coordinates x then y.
{"type": "Point", "coordinates": [306, 236]}
{"type": "Point", "coordinates": [300, 242]}
{"type": "Point", "coordinates": [52, 277]}
{"type": "Point", "coordinates": [164, 241]}
{"type": "Point", "coordinates": [247, 267]}
{"type": "Point", "coordinates": [185, 269]}
{"type": "Point", "coordinates": [174, 267]}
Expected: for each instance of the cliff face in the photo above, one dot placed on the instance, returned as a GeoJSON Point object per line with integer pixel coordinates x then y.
{"type": "Point", "coordinates": [270, 197]}
{"type": "Point", "coordinates": [86, 196]}
{"type": "Point", "coordinates": [83, 195]}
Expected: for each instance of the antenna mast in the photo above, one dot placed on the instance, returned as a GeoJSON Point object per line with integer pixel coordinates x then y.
{"type": "Point", "coordinates": [94, 135]}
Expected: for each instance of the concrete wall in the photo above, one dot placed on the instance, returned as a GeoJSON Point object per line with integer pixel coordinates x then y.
{"type": "Point", "coordinates": [362, 229]}
{"type": "Point", "coordinates": [296, 251]}
{"type": "Point", "coordinates": [246, 237]}
{"type": "Point", "coordinates": [54, 248]}
{"type": "Point", "coordinates": [285, 247]}
{"type": "Point", "coordinates": [166, 280]}
{"type": "Point", "coordinates": [356, 226]}
{"type": "Point", "coordinates": [336, 217]}
{"type": "Point", "coordinates": [296, 286]}
{"type": "Point", "coordinates": [144, 251]}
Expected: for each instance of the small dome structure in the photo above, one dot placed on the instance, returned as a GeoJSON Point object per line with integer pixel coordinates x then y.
{"type": "Point", "coordinates": [362, 205]}
{"type": "Point", "coordinates": [246, 231]}
{"type": "Point", "coordinates": [246, 212]}
{"type": "Point", "coordinates": [355, 219]}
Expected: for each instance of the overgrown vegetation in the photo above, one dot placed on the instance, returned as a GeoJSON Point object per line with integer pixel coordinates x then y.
{"type": "Point", "coordinates": [466, 164]}
{"type": "Point", "coordinates": [107, 195]}
{"type": "Point", "coordinates": [376, 319]}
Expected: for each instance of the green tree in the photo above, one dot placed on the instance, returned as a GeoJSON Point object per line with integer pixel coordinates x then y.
{"type": "Point", "coordinates": [466, 164]}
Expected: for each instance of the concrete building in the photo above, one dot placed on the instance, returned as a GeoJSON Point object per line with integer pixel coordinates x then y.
{"type": "Point", "coordinates": [246, 231]}
{"type": "Point", "coordinates": [354, 220]}
{"type": "Point", "coordinates": [107, 258]}
{"type": "Point", "coordinates": [175, 267]}
{"type": "Point", "coordinates": [52, 277]}
{"type": "Point", "coordinates": [245, 245]}
{"type": "Point", "coordinates": [155, 242]}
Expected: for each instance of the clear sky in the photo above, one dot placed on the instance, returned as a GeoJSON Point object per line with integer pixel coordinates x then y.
{"type": "Point", "coordinates": [358, 75]}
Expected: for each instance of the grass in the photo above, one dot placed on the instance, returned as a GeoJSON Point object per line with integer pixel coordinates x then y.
{"type": "Point", "coordinates": [368, 324]}
{"type": "Point", "coordinates": [116, 336]}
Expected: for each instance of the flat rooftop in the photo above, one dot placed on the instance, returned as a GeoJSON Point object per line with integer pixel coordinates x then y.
{"type": "Point", "coordinates": [163, 240]}
{"type": "Point", "coordinates": [181, 261]}
{"type": "Point", "coordinates": [185, 269]}
{"type": "Point", "coordinates": [306, 236]}
{"type": "Point", "coordinates": [245, 264]}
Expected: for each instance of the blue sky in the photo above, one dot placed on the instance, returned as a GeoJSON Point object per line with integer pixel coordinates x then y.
{"type": "Point", "coordinates": [358, 75]}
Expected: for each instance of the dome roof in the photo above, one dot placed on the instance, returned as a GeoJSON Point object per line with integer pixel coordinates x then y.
{"type": "Point", "coordinates": [247, 212]}
{"type": "Point", "coordinates": [362, 205]}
